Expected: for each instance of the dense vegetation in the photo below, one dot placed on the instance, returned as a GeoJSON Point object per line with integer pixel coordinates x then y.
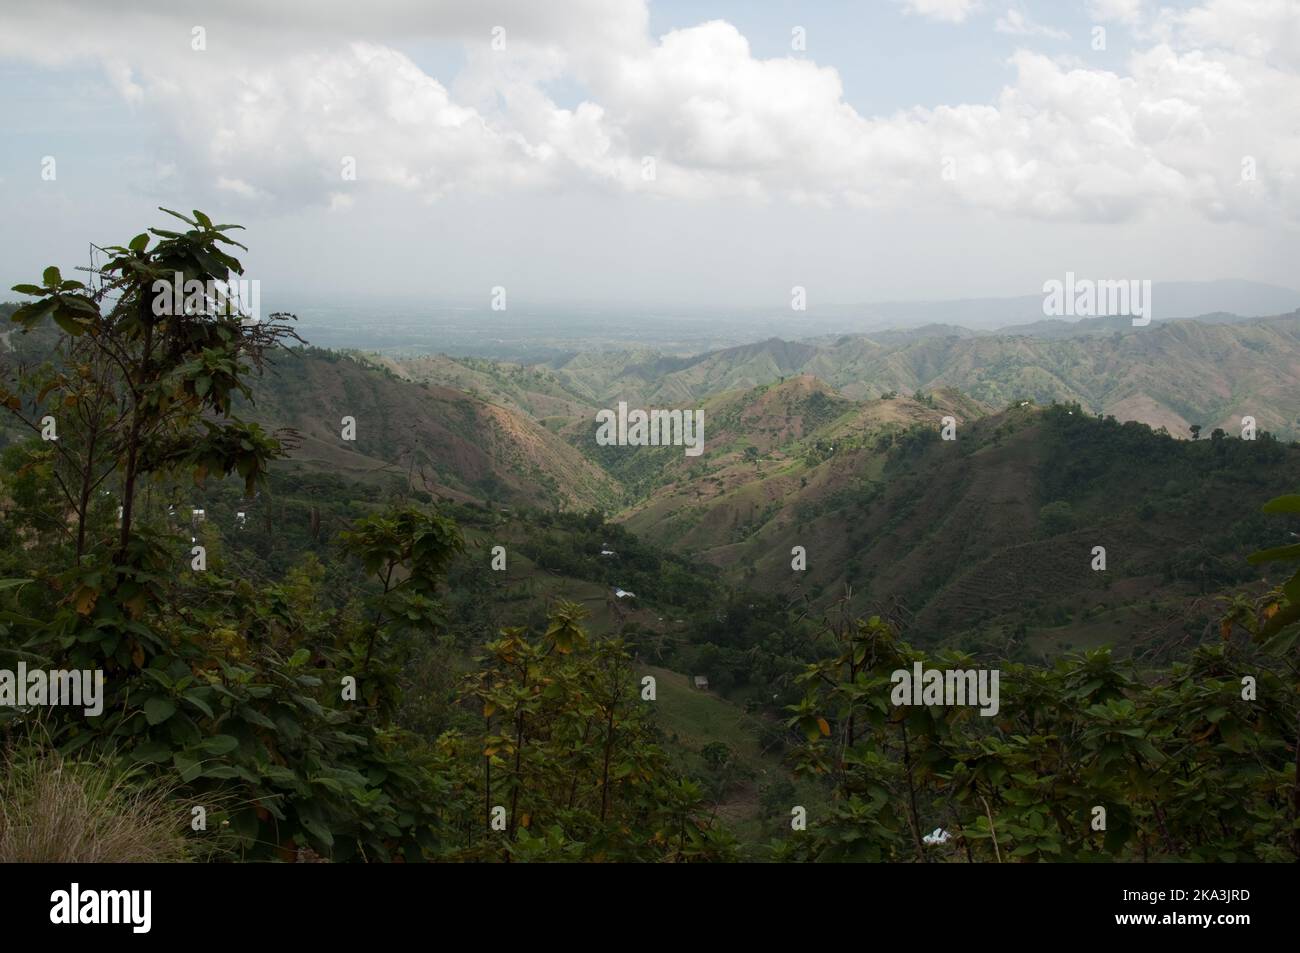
{"type": "Point", "coordinates": [323, 666]}
{"type": "Point", "coordinates": [275, 706]}
{"type": "Point", "coordinates": [1087, 760]}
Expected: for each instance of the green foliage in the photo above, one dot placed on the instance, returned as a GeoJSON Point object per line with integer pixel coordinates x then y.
{"type": "Point", "coordinates": [276, 704]}
{"type": "Point", "coordinates": [147, 386]}
{"type": "Point", "coordinates": [1184, 766]}
{"type": "Point", "coordinates": [571, 544]}
{"type": "Point", "coordinates": [569, 748]}
{"type": "Point", "coordinates": [313, 686]}
{"type": "Point", "coordinates": [1055, 518]}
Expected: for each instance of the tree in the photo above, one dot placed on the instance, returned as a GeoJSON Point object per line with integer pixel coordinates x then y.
{"type": "Point", "coordinates": [567, 752]}
{"type": "Point", "coordinates": [147, 385]}
{"type": "Point", "coordinates": [231, 689]}
{"type": "Point", "coordinates": [408, 552]}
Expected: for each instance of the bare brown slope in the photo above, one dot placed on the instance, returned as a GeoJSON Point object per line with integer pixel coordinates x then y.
{"type": "Point", "coordinates": [456, 444]}
{"type": "Point", "coordinates": [535, 391]}
{"type": "Point", "coordinates": [813, 452]}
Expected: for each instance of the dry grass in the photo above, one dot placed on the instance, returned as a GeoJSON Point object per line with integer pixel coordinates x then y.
{"type": "Point", "coordinates": [56, 810]}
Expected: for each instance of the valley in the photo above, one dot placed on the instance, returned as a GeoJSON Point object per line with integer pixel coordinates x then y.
{"type": "Point", "coordinates": [983, 542]}
{"type": "Point", "coordinates": [985, 545]}
{"type": "Point", "coordinates": [634, 431]}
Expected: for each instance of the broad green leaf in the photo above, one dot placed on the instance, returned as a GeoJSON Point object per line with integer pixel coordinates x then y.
{"type": "Point", "coordinates": [188, 766]}
{"type": "Point", "coordinates": [1276, 553]}
{"type": "Point", "coordinates": [195, 699]}
{"type": "Point", "coordinates": [152, 752]}
{"type": "Point", "coordinates": [219, 744]}
{"type": "Point", "coordinates": [159, 709]}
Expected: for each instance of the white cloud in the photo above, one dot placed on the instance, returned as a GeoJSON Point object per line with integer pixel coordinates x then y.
{"type": "Point", "coordinates": [1267, 30]}
{"type": "Point", "coordinates": [239, 187]}
{"type": "Point", "coordinates": [1015, 23]}
{"type": "Point", "coordinates": [271, 119]}
{"type": "Point", "coordinates": [1120, 11]}
{"type": "Point", "coordinates": [945, 11]}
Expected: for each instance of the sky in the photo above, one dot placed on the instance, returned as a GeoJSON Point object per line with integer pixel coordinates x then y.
{"type": "Point", "coordinates": [712, 153]}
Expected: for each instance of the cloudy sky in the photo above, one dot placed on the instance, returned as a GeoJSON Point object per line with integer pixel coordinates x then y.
{"type": "Point", "coordinates": [712, 152]}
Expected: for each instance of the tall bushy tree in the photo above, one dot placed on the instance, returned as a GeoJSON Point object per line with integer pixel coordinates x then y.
{"type": "Point", "coordinates": [569, 755]}
{"type": "Point", "coordinates": [147, 377]}
{"type": "Point", "coordinates": [232, 688]}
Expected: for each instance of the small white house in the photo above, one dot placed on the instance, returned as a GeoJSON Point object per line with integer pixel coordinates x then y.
{"type": "Point", "coordinates": [624, 594]}
{"type": "Point", "coordinates": [701, 682]}
{"type": "Point", "coordinates": [940, 836]}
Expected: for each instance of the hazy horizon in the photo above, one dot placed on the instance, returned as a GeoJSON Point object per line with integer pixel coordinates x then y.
{"type": "Point", "coordinates": [664, 154]}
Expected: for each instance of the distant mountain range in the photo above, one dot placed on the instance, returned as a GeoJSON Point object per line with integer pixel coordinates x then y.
{"type": "Point", "coordinates": [1170, 300]}
{"type": "Point", "coordinates": [530, 332]}
{"type": "Point", "coordinates": [1170, 374]}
